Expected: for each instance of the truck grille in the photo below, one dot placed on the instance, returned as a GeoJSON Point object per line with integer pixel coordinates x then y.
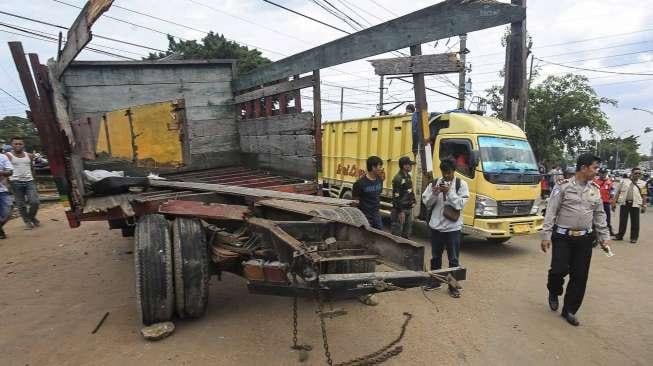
{"type": "Point", "coordinates": [514, 208]}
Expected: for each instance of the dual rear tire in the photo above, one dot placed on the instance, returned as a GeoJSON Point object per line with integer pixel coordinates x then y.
{"type": "Point", "coordinates": [171, 268]}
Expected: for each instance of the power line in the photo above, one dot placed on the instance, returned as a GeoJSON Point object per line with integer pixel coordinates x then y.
{"type": "Point", "coordinates": [595, 70]}
{"type": "Point", "coordinates": [12, 96]}
{"type": "Point", "coordinates": [384, 8]}
{"type": "Point", "coordinates": [362, 10]}
{"type": "Point", "coordinates": [303, 15]}
{"type": "Point", "coordinates": [344, 14]}
{"type": "Point", "coordinates": [65, 28]}
{"type": "Point", "coordinates": [55, 40]}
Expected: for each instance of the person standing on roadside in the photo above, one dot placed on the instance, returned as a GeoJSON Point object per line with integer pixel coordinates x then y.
{"type": "Point", "coordinates": [22, 183]}
{"type": "Point", "coordinates": [367, 191]}
{"type": "Point", "coordinates": [403, 199]}
{"type": "Point", "coordinates": [446, 197]}
{"type": "Point", "coordinates": [6, 169]}
{"type": "Point", "coordinates": [605, 186]}
{"type": "Point", "coordinates": [574, 212]}
{"type": "Point", "coordinates": [631, 197]}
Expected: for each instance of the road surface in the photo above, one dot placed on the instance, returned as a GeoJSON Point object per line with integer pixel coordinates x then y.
{"type": "Point", "coordinates": [57, 283]}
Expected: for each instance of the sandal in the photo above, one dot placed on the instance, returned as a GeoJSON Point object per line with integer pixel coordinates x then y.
{"type": "Point", "coordinates": [453, 292]}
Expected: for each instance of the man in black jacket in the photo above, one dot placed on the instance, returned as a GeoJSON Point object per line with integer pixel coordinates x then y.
{"type": "Point", "coordinates": [403, 199]}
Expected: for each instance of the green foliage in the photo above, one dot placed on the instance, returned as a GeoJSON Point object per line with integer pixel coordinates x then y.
{"type": "Point", "coordinates": [214, 46]}
{"type": "Point", "coordinates": [559, 110]}
{"type": "Point", "coordinates": [625, 148]}
{"type": "Point", "coordinates": [13, 126]}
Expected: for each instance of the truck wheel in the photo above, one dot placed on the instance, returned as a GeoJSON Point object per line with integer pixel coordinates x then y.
{"type": "Point", "coordinates": [497, 240]}
{"type": "Point", "coordinates": [347, 215]}
{"type": "Point", "coordinates": [191, 264]}
{"type": "Point", "coordinates": [153, 262]}
{"type": "Point", "coordinates": [347, 195]}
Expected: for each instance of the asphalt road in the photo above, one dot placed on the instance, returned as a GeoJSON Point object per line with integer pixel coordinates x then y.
{"type": "Point", "coordinates": [57, 283]}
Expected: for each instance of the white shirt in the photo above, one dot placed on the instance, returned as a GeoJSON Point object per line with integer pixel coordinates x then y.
{"type": "Point", "coordinates": [5, 165]}
{"type": "Point", "coordinates": [624, 187]}
{"type": "Point", "coordinates": [456, 200]}
{"type": "Point", "coordinates": [22, 168]}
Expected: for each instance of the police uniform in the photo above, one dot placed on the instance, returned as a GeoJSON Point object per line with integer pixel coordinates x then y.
{"type": "Point", "coordinates": [574, 216]}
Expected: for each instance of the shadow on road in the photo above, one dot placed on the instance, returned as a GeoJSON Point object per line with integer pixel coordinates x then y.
{"type": "Point", "coordinates": [483, 248]}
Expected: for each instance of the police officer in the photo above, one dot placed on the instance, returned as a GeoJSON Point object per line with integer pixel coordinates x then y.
{"type": "Point", "coordinates": [574, 212]}
{"type": "Point", "coordinates": [403, 199]}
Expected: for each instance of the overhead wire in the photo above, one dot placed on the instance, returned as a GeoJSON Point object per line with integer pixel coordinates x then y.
{"type": "Point", "coordinates": [12, 96]}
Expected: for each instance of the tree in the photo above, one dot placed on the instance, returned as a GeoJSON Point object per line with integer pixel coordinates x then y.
{"type": "Point", "coordinates": [214, 46]}
{"type": "Point", "coordinates": [14, 126]}
{"type": "Point", "coordinates": [626, 149]}
{"type": "Point", "coordinates": [560, 109]}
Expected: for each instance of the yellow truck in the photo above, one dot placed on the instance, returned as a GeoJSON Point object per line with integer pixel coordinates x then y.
{"type": "Point", "coordinates": [493, 157]}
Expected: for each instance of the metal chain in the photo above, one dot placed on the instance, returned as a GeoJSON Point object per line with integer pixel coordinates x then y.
{"type": "Point", "coordinates": [295, 346]}
{"type": "Point", "coordinates": [374, 358]}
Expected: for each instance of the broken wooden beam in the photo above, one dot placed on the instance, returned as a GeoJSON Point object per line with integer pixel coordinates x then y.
{"type": "Point", "coordinates": [442, 63]}
{"type": "Point", "coordinates": [201, 210]}
{"type": "Point", "coordinates": [284, 87]}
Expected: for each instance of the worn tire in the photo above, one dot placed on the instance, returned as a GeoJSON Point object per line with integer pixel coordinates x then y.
{"type": "Point", "coordinates": [347, 195]}
{"type": "Point", "coordinates": [153, 261]}
{"type": "Point", "coordinates": [191, 265]}
{"type": "Point", "coordinates": [348, 215]}
{"type": "Point", "coordinates": [497, 241]}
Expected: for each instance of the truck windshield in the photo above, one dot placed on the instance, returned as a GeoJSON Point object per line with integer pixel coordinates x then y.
{"type": "Point", "coordinates": [506, 155]}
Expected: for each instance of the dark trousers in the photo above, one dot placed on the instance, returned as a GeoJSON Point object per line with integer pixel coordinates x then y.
{"type": "Point", "coordinates": [26, 199]}
{"type": "Point", "coordinates": [624, 212]}
{"type": "Point", "coordinates": [398, 228]}
{"type": "Point", "coordinates": [444, 240]}
{"type": "Point", "coordinates": [570, 256]}
{"type": "Point", "coordinates": [375, 220]}
{"type": "Point", "coordinates": [608, 210]}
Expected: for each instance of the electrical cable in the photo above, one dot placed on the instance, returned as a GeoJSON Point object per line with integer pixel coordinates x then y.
{"type": "Point", "coordinates": [12, 96]}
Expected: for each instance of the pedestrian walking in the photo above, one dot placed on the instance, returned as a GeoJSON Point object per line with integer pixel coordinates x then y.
{"type": "Point", "coordinates": [446, 197]}
{"type": "Point", "coordinates": [631, 198]}
{"type": "Point", "coordinates": [22, 183]}
{"type": "Point", "coordinates": [574, 218]}
{"type": "Point", "coordinates": [403, 199]}
{"type": "Point", "coordinates": [6, 169]}
{"type": "Point", "coordinates": [649, 189]}
{"type": "Point", "coordinates": [367, 191]}
{"type": "Point", "coordinates": [606, 188]}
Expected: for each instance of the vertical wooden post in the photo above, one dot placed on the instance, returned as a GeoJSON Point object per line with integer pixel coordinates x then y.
{"type": "Point", "coordinates": [248, 110]}
{"type": "Point", "coordinates": [283, 103]}
{"type": "Point", "coordinates": [461, 74]}
{"type": "Point", "coordinates": [257, 108]}
{"type": "Point", "coordinates": [421, 107]}
{"type": "Point", "coordinates": [298, 97]}
{"type": "Point", "coordinates": [268, 106]}
{"type": "Point", "coordinates": [380, 94]}
{"type": "Point", "coordinates": [342, 100]}
{"type": "Point", "coordinates": [317, 120]}
{"type": "Point", "coordinates": [514, 101]}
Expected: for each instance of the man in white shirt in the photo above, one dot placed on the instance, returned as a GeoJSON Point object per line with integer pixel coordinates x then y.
{"type": "Point", "coordinates": [6, 169]}
{"type": "Point", "coordinates": [445, 227]}
{"type": "Point", "coordinates": [23, 184]}
{"type": "Point", "coordinates": [631, 197]}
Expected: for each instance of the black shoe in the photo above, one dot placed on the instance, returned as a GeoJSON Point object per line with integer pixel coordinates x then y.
{"type": "Point", "coordinates": [571, 319]}
{"type": "Point", "coordinates": [553, 302]}
{"type": "Point", "coordinates": [618, 238]}
{"type": "Point", "coordinates": [2, 234]}
{"type": "Point", "coordinates": [36, 222]}
{"type": "Point", "coordinates": [633, 241]}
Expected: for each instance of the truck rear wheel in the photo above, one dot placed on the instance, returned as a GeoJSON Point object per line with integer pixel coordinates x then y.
{"type": "Point", "coordinates": [153, 262]}
{"type": "Point", "coordinates": [191, 264]}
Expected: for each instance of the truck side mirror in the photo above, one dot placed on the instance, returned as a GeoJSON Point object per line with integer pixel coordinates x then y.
{"type": "Point", "coordinates": [475, 159]}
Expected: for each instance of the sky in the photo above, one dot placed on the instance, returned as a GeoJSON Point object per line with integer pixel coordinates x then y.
{"type": "Point", "coordinates": [606, 35]}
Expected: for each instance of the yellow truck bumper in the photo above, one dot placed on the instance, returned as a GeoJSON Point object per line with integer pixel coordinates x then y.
{"type": "Point", "coordinates": [505, 227]}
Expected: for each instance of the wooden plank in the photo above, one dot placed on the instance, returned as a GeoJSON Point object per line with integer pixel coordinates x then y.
{"type": "Point", "coordinates": [317, 121]}
{"type": "Point", "coordinates": [283, 124]}
{"type": "Point", "coordinates": [133, 74]}
{"type": "Point", "coordinates": [211, 127]}
{"type": "Point", "coordinates": [442, 63]}
{"type": "Point", "coordinates": [284, 87]}
{"type": "Point", "coordinates": [446, 19]}
{"type": "Point", "coordinates": [209, 144]}
{"type": "Point", "coordinates": [214, 160]}
{"type": "Point", "coordinates": [248, 192]}
{"type": "Point", "coordinates": [79, 34]}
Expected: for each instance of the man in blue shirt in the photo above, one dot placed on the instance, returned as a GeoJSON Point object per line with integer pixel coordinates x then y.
{"type": "Point", "coordinates": [367, 191]}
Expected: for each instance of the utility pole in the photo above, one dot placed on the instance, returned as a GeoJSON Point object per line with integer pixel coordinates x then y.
{"type": "Point", "coordinates": [515, 88]}
{"type": "Point", "coordinates": [422, 108]}
{"type": "Point", "coordinates": [342, 100]}
{"type": "Point", "coordinates": [461, 74]}
{"type": "Point", "coordinates": [380, 93]}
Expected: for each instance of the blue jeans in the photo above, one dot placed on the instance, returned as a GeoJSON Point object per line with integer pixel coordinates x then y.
{"type": "Point", "coordinates": [444, 240]}
{"type": "Point", "coordinates": [5, 207]}
{"type": "Point", "coordinates": [26, 195]}
{"type": "Point", "coordinates": [375, 221]}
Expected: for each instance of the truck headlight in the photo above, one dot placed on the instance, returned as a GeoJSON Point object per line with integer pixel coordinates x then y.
{"type": "Point", "coordinates": [536, 206]}
{"type": "Point", "coordinates": [485, 207]}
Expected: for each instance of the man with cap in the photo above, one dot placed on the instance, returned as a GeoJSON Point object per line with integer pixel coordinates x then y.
{"type": "Point", "coordinates": [631, 196]}
{"type": "Point", "coordinates": [574, 217]}
{"type": "Point", "coordinates": [403, 199]}
{"type": "Point", "coordinates": [605, 186]}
